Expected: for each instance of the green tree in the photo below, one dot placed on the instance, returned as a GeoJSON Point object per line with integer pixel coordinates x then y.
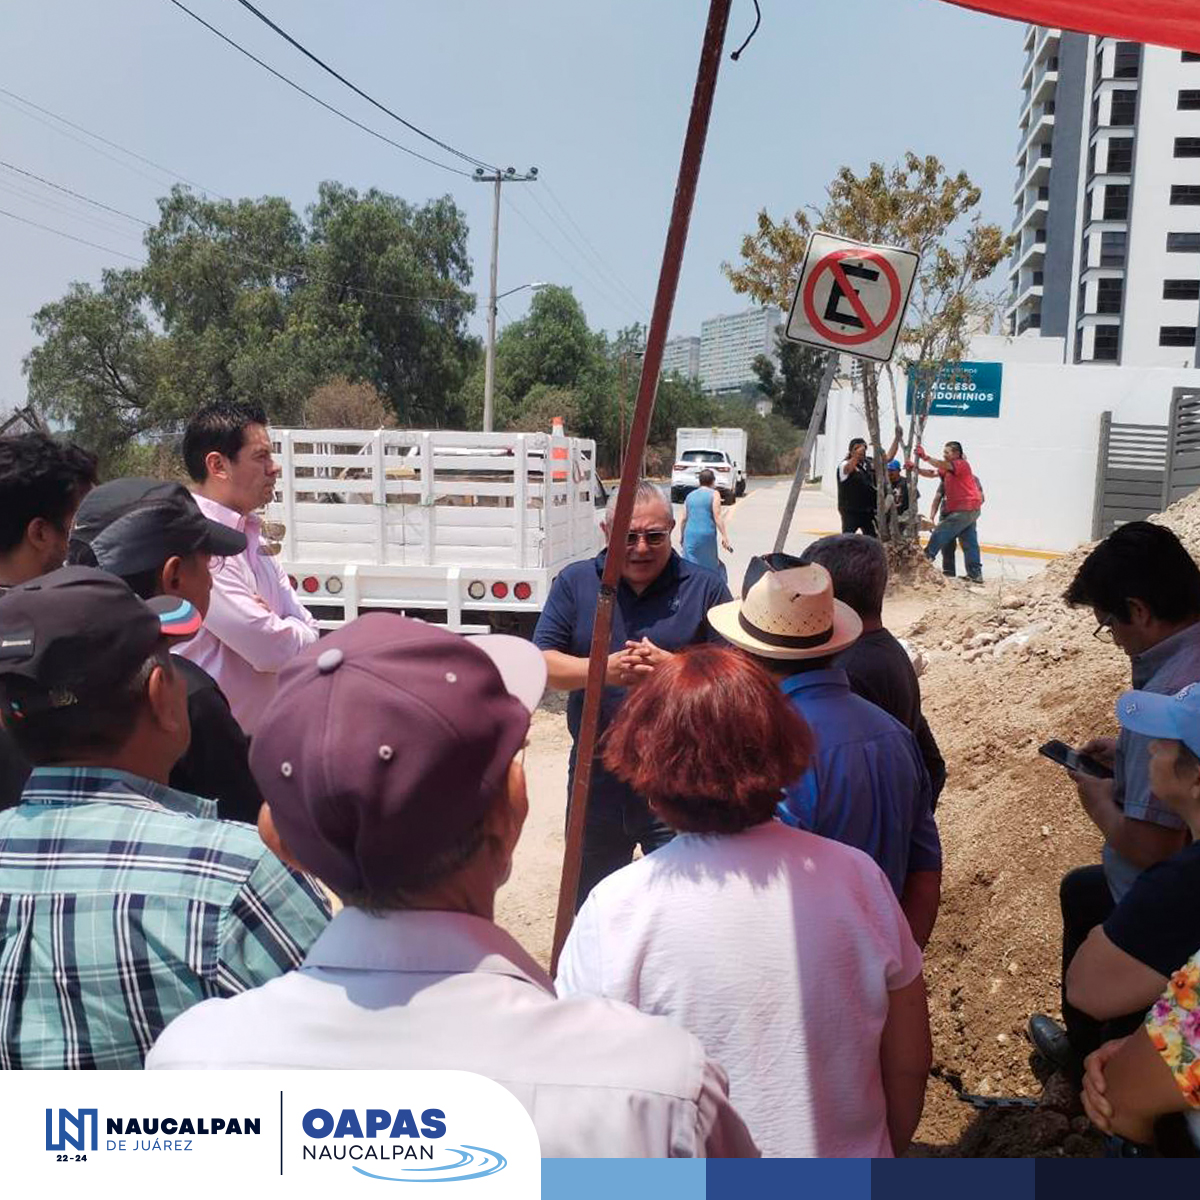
{"type": "Point", "coordinates": [101, 368]}
{"type": "Point", "coordinates": [247, 300]}
{"type": "Point", "coordinates": [552, 345]}
{"type": "Point", "coordinates": [551, 350]}
{"type": "Point", "coordinates": [401, 270]}
{"type": "Point", "coordinates": [915, 204]}
{"type": "Point", "coordinates": [792, 386]}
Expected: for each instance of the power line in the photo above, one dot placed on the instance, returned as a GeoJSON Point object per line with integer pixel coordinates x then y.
{"type": "Point", "coordinates": [317, 99]}
{"type": "Point", "coordinates": [108, 142]}
{"type": "Point", "coordinates": [46, 204]}
{"type": "Point", "coordinates": [69, 236]}
{"type": "Point", "coordinates": [614, 285]}
{"type": "Point", "coordinates": [128, 166]}
{"type": "Point", "coordinates": [298, 273]}
{"type": "Point", "coordinates": [58, 187]}
{"type": "Point", "coordinates": [287, 37]}
{"type": "Point", "coordinates": [596, 255]}
{"type": "Point", "coordinates": [602, 290]}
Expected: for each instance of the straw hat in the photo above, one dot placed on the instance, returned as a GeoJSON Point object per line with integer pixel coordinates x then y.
{"type": "Point", "coordinates": [786, 611]}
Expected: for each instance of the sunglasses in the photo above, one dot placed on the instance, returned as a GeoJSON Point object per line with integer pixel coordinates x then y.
{"type": "Point", "coordinates": [653, 537]}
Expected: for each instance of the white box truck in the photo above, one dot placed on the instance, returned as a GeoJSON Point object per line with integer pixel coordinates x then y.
{"type": "Point", "coordinates": [722, 451]}
{"type": "Point", "coordinates": [469, 529]}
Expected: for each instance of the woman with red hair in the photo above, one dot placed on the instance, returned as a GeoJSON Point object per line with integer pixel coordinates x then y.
{"type": "Point", "coordinates": [786, 953]}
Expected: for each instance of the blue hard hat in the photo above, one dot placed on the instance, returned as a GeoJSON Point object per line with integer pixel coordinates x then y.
{"type": "Point", "coordinates": [894, 465]}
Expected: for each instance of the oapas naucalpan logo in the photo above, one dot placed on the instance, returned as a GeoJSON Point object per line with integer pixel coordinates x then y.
{"type": "Point", "coordinates": [398, 1145]}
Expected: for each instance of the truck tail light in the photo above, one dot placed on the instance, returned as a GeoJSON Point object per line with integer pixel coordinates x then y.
{"type": "Point", "coordinates": [522, 591]}
{"type": "Point", "coordinates": [500, 590]}
{"type": "Point", "coordinates": [333, 585]}
{"type": "Point", "coordinates": [682, 466]}
{"type": "Point", "coordinates": [311, 583]}
{"type": "Point", "coordinates": [477, 589]}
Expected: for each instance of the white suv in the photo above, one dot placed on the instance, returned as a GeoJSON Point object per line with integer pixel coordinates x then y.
{"type": "Point", "coordinates": [686, 472]}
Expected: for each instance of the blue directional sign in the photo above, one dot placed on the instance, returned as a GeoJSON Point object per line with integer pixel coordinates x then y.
{"type": "Point", "coordinates": [964, 389]}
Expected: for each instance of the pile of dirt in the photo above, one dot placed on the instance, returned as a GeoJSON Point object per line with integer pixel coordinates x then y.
{"type": "Point", "coordinates": [1007, 672]}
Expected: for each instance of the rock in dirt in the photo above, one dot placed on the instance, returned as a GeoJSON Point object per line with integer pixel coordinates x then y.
{"type": "Point", "coordinates": [1008, 812]}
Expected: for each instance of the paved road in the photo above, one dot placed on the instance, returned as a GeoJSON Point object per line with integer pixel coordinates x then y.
{"type": "Point", "coordinates": [754, 521]}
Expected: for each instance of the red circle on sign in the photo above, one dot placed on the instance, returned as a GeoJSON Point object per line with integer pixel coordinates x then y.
{"type": "Point", "coordinates": [871, 329]}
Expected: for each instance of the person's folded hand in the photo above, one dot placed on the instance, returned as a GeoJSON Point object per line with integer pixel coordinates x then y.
{"type": "Point", "coordinates": [1095, 1102]}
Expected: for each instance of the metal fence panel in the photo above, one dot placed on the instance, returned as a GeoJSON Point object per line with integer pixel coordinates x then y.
{"type": "Point", "coordinates": [1130, 473]}
{"type": "Point", "coordinates": [1183, 446]}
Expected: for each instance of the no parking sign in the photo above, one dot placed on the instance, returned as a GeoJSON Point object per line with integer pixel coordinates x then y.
{"type": "Point", "coordinates": [851, 296]}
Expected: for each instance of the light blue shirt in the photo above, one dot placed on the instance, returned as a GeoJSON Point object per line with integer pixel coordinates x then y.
{"type": "Point", "coordinates": [867, 786]}
{"type": "Point", "coordinates": [1165, 668]}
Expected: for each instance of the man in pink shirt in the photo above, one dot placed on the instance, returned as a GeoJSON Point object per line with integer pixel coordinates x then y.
{"type": "Point", "coordinates": [960, 508]}
{"type": "Point", "coordinates": [255, 624]}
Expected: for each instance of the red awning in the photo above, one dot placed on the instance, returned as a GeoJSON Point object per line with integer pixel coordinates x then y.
{"type": "Point", "coordinates": [1163, 22]}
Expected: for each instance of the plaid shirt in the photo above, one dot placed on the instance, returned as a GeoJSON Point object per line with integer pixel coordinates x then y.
{"type": "Point", "coordinates": [123, 903]}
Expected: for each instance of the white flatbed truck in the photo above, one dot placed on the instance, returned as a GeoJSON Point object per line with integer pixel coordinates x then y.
{"type": "Point", "coordinates": [465, 529]}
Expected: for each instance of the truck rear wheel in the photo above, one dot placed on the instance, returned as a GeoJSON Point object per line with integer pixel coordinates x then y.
{"type": "Point", "coordinates": [741, 487]}
{"type": "Point", "coordinates": [728, 497]}
{"type": "Point", "coordinates": [518, 624]}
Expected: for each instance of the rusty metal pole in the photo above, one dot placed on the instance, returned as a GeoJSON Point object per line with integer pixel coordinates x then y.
{"type": "Point", "coordinates": [639, 430]}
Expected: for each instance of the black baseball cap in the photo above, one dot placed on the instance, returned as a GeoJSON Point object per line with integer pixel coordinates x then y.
{"type": "Point", "coordinates": [135, 525]}
{"type": "Point", "coordinates": [79, 634]}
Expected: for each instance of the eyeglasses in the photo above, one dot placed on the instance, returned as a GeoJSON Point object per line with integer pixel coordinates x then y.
{"type": "Point", "coordinates": [1104, 632]}
{"type": "Point", "coordinates": [653, 537]}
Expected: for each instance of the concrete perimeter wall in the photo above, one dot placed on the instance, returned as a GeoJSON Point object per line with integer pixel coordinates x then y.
{"type": "Point", "coordinates": [1038, 459]}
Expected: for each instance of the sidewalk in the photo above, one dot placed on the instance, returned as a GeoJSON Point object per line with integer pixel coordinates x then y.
{"type": "Point", "coordinates": [754, 521]}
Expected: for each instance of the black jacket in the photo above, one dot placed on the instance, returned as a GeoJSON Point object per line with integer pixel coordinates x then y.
{"type": "Point", "coordinates": [216, 764]}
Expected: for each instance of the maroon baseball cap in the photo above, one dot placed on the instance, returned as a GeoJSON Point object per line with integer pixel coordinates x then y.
{"type": "Point", "coordinates": [387, 740]}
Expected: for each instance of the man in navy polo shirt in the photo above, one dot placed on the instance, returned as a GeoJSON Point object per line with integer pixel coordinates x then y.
{"type": "Point", "coordinates": [661, 605]}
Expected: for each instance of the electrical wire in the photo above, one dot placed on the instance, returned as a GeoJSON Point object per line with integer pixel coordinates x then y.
{"type": "Point", "coordinates": [58, 187]}
{"type": "Point", "coordinates": [317, 99]}
{"type": "Point", "coordinates": [597, 277]}
{"type": "Point", "coordinates": [587, 247]}
{"type": "Point", "coordinates": [757, 22]}
{"type": "Point", "coordinates": [297, 273]}
{"type": "Point", "coordinates": [69, 236]}
{"type": "Point", "coordinates": [158, 181]}
{"type": "Point", "coordinates": [45, 205]}
{"type": "Point", "coordinates": [581, 270]}
{"type": "Point", "coordinates": [600, 289]}
{"type": "Point", "coordinates": [115, 145]}
{"type": "Point", "coordinates": [287, 37]}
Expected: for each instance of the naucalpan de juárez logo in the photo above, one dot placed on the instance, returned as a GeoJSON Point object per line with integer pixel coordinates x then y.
{"type": "Point", "coordinates": [81, 1130]}
{"type": "Point", "coordinates": [398, 1138]}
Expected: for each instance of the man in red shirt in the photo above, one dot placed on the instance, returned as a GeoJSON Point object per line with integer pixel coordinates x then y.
{"type": "Point", "coordinates": [960, 508]}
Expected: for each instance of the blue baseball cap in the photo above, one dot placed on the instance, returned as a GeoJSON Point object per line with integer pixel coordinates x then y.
{"type": "Point", "coordinates": [894, 465]}
{"type": "Point", "coordinates": [1155, 715]}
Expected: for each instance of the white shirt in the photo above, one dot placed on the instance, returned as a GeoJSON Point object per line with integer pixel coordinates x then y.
{"type": "Point", "coordinates": [442, 990]}
{"type": "Point", "coordinates": [255, 625]}
{"type": "Point", "coordinates": [777, 948]}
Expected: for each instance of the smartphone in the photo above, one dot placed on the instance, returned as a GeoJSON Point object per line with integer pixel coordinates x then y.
{"type": "Point", "coordinates": [1068, 757]}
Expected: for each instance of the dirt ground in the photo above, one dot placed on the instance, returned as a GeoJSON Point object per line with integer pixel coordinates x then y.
{"type": "Point", "coordinates": [1008, 668]}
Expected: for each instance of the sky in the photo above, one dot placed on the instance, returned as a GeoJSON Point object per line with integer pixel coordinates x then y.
{"type": "Point", "coordinates": [595, 95]}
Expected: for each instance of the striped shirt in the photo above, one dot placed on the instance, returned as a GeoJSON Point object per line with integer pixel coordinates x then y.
{"type": "Point", "coordinates": [123, 903]}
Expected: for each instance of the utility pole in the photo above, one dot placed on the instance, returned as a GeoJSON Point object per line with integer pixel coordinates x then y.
{"type": "Point", "coordinates": [630, 349]}
{"type": "Point", "coordinates": [508, 175]}
{"type": "Point", "coordinates": [832, 361]}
